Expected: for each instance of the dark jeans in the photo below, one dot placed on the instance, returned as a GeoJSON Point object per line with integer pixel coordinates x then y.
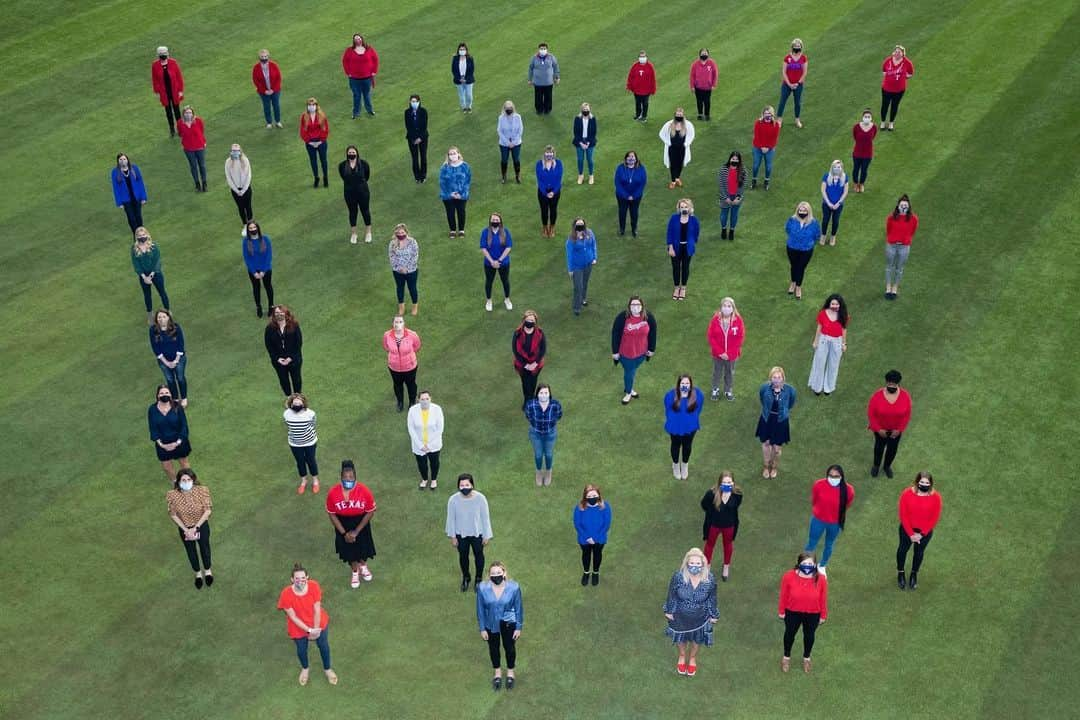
{"type": "Point", "coordinates": [428, 465]}
{"type": "Point", "coordinates": [902, 550]}
{"type": "Point", "coordinates": [549, 208]}
{"type": "Point", "coordinates": [455, 213]}
{"type": "Point", "coordinates": [676, 155]}
{"type": "Point", "coordinates": [631, 206]}
{"type": "Point", "coordinates": [464, 543]}
{"type": "Point", "coordinates": [489, 279]}
{"type": "Point", "coordinates": [361, 90]}
{"type": "Point", "coordinates": [323, 643]}
{"type": "Point", "coordinates": [403, 279]}
{"type": "Point", "coordinates": [859, 168]}
{"type": "Point", "coordinates": [403, 379]}
{"type": "Point", "coordinates": [680, 265]}
{"type": "Point", "coordinates": [890, 101]}
{"type": "Point", "coordinates": [542, 98]}
{"type": "Point", "coordinates": [505, 153]}
{"type": "Point", "coordinates": [172, 115]}
{"type": "Point", "coordinates": [197, 164]}
{"type": "Point", "coordinates": [243, 204]}
{"type": "Point", "coordinates": [175, 377]}
{"type": "Point", "coordinates": [159, 283]}
{"type": "Point", "coordinates": [641, 106]}
{"type": "Point", "coordinates": [528, 383]}
{"type": "Point", "coordinates": [506, 632]}
{"type": "Point", "coordinates": [419, 159]}
{"type": "Point", "coordinates": [809, 623]}
{"type": "Point", "coordinates": [305, 460]}
{"type": "Point", "coordinates": [316, 155]}
{"type": "Point", "coordinates": [359, 203]}
{"type": "Point", "coordinates": [785, 93]}
{"type": "Point", "coordinates": [704, 101]}
{"type": "Point", "coordinates": [257, 285]}
{"type": "Point", "coordinates": [886, 446]}
{"type": "Point", "coordinates": [271, 102]}
{"type": "Point", "coordinates": [592, 554]}
{"type": "Point", "coordinates": [683, 443]}
{"type": "Point", "coordinates": [799, 259]}
{"type": "Point", "coordinates": [579, 279]}
{"type": "Point", "coordinates": [204, 547]}
{"type": "Point", "coordinates": [133, 210]}
{"type": "Point", "coordinates": [827, 214]}
{"type": "Point", "coordinates": [289, 376]}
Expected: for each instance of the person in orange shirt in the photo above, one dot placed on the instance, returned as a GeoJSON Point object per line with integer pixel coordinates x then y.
{"type": "Point", "coordinates": [302, 603]}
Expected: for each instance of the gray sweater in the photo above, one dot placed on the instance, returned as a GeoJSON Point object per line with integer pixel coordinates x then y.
{"type": "Point", "coordinates": [468, 516]}
{"type": "Point", "coordinates": [543, 70]}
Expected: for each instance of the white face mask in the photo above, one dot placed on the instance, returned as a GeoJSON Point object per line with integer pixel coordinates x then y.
{"type": "Point", "coordinates": [311, 108]}
{"type": "Point", "coordinates": [454, 157]}
{"type": "Point", "coordinates": [867, 120]}
{"type": "Point", "coordinates": [904, 207]}
{"type": "Point", "coordinates": [462, 53]}
{"type": "Point", "coordinates": [727, 310]}
{"type": "Point", "coordinates": [642, 59]}
{"type": "Point", "coordinates": [425, 404]}
{"type": "Point", "coordinates": [543, 396]}
{"type": "Point", "coordinates": [186, 485]}
{"type": "Point", "coordinates": [635, 309]}
{"type": "Point", "coordinates": [543, 52]}
{"type": "Point", "coordinates": [836, 169]}
{"type": "Point", "coordinates": [834, 481]}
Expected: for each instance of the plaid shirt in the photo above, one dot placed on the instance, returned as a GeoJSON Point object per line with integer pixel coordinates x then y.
{"type": "Point", "coordinates": [541, 421]}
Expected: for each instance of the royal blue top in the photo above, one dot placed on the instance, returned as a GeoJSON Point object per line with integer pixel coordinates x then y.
{"type": "Point", "coordinates": [592, 522]}
{"type": "Point", "coordinates": [580, 253]}
{"type": "Point", "coordinates": [120, 185]}
{"type": "Point", "coordinates": [454, 179]}
{"type": "Point", "coordinates": [491, 610]}
{"type": "Point", "coordinates": [630, 182]}
{"type": "Point", "coordinates": [800, 237]}
{"type": "Point", "coordinates": [549, 180]}
{"type": "Point", "coordinates": [498, 246]}
{"type": "Point", "coordinates": [674, 234]}
{"type": "Point", "coordinates": [834, 191]}
{"type": "Point", "coordinates": [164, 345]}
{"type": "Point", "coordinates": [682, 421]}
{"type": "Point", "coordinates": [258, 261]}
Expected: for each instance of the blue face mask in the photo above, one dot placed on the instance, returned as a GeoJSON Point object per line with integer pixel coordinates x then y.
{"type": "Point", "coordinates": [413, 104]}
{"type": "Point", "coordinates": [806, 569]}
{"type": "Point", "coordinates": [834, 481]}
{"type": "Point", "coordinates": [684, 388]}
{"type": "Point", "coordinates": [727, 488]}
{"type": "Point", "coordinates": [348, 484]}
{"type": "Point", "coordinates": [695, 569]}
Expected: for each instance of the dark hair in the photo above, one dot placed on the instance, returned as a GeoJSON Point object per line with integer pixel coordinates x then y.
{"type": "Point", "coordinates": [120, 155]}
{"type": "Point", "coordinates": [297, 567]}
{"type": "Point", "coordinates": [465, 476]}
{"type": "Point", "coordinates": [910, 210]}
{"type": "Point", "coordinates": [542, 386]}
{"type": "Point", "coordinates": [496, 234]}
{"type": "Point", "coordinates": [250, 242]}
{"type": "Point", "coordinates": [415, 97]}
{"type": "Point", "coordinates": [348, 466]}
{"type": "Point", "coordinates": [464, 45]}
{"type": "Point", "coordinates": [733, 153]}
{"type": "Point", "coordinates": [644, 311]}
{"type": "Point", "coordinates": [893, 376]}
{"type": "Point", "coordinates": [924, 474]}
{"type": "Point", "coordinates": [841, 314]}
{"type": "Point", "coordinates": [543, 44]}
{"type": "Point", "coordinates": [170, 327]}
{"type": "Point", "coordinates": [352, 147]}
{"type": "Point", "coordinates": [691, 404]}
{"type": "Point", "coordinates": [185, 472]}
{"type": "Point", "coordinates": [159, 387]}
{"type": "Point", "coordinates": [290, 321]}
{"type": "Point", "coordinates": [808, 556]}
{"type": "Point", "coordinates": [424, 392]}
{"type": "Point", "coordinates": [843, 493]}
{"type": "Point", "coordinates": [628, 154]}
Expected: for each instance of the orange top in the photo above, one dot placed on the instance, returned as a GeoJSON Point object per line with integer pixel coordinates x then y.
{"type": "Point", "coordinates": [304, 607]}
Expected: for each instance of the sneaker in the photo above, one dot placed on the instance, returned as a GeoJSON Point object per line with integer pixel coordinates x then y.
{"type": "Point", "coordinates": [626, 399]}
{"type": "Point", "coordinates": [676, 471]}
{"type": "Point", "coordinates": [365, 573]}
{"type": "Point", "coordinates": [581, 178]}
{"type": "Point", "coordinates": [509, 305]}
{"type": "Point", "coordinates": [487, 305]}
{"type": "Point", "coordinates": [634, 394]}
{"type": "Point", "coordinates": [766, 183]}
{"type": "Point", "coordinates": [352, 238]}
{"type": "Point", "coordinates": [278, 124]}
{"type": "Point", "coordinates": [269, 126]}
{"type": "Point", "coordinates": [354, 582]}
{"type": "Point", "coordinates": [592, 180]}
{"type": "Point", "coordinates": [315, 487]}
{"type": "Point", "coordinates": [730, 396]}
{"type": "Point", "coordinates": [715, 394]}
{"type": "Point", "coordinates": [798, 123]}
{"type": "Point", "coordinates": [883, 125]}
{"type": "Point", "coordinates": [367, 237]}
{"type": "Point", "coordinates": [753, 183]}
{"type": "Point", "coordinates": [302, 488]}
{"type": "Point", "coordinates": [509, 683]}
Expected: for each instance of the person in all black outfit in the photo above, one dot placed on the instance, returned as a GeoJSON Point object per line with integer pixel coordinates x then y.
{"type": "Point", "coordinates": [355, 173]}
{"type": "Point", "coordinates": [417, 136]}
{"type": "Point", "coordinates": [283, 343]}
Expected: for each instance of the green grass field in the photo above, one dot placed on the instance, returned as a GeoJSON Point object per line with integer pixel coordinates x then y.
{"type": "Point", "coordinates": [101, 618]}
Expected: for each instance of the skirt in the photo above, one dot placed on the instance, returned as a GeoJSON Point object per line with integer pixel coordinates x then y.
{"type": "Point", "coordinates": [773, 431]}
{"type": "Point", "coordinates": [687, 627]}
{"type": "Point", "coordinates": [180, 452]}
{"type": "Point", "coordinates": [360, 550]}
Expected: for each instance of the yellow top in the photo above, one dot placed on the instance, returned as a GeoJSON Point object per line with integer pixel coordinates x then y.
{"type": "Point", "coordinates": [423, 424]}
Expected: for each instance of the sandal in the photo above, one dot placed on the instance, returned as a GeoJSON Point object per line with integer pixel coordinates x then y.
{"type": "Point", "coordinates": [675, 294]}
{"type": "Point", "coordinates": [302, 487]}
{"type": "Point", "coordinates": [332, 677]}
{"type": "Point", "coordinates": [315, 486]}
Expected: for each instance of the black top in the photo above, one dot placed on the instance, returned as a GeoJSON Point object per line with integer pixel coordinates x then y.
{"type": "Point", "coordinates": [283, 344]}
{"type": "Point", "coordinates": [533, 346]}
{"type": "Point", "coordinates": [727, 516]}
{"type": "Point", "coordinates": [682, 232]}
{"type": "Point", "coordinates": [355, 179]}
{"type": "Point", "coordinates": [416, 124]}
{"type": "Point", "coordinates": [130, 187]}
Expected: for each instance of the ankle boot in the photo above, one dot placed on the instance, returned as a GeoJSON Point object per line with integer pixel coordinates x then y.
{"type": "Point", "coordinates": [547, 478]}
{"type": "Point", "coordinates": [502, 169]}
{"type": "Point", "coordinates": [913, 581]}
{"type": "Point", "coordinates": [731, 234]}
{"type": "Point", "coordinates": [900, 580]}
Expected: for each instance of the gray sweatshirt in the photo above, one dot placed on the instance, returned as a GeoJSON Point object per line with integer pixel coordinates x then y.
{"type": "Point", "coordinates": [543, 70]}
{"type": "Point", "coordinates": [468, 516]}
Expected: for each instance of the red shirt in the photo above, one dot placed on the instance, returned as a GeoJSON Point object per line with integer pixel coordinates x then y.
{"type": "Point", "coordinates": [194, 137]}
{"type": "Point", "coordinates": [360, 501]}
{"type": "Point", "coordinates": [259, 79]}
{"type": "Point", "coordinates": [795, 67]}
{"type": "Point", "coordinates": [317, 129]}
{"type": "Point", "coordinates": [825, 500]}
{"type": "Point", "coordinates": [729, 342]}
{"type": "Point", "coordinates": [864, 141]}
{"type": "Point", "coordinates": [919, 511]}
{"type": "Point", "coordinates": [635, 337]}
{"type": "Point", "coordinates": [883, 415]}
{"type": "Point", "coordinates": [733, 181]}
{"type": "Point", "coordinates": [895, 76]}
{"type": "Point", "coordinates": [641, 80]}
{"type": "Point", "coordinates": [766, 134]}
{"type": "Point", "coordinates": [176, 79]}
{"type": "Point", "coordinates": [832, 328]}
{"type": "Point", "coordinates": [703, 75]}
{"type": "Point", "coordinates": [804, 594]}
{"type": "Point", "coordinates": [900, 229]}
{"type": "Point", "coordinates": [304, 607]}
{"type": "Point", "coordinates": [360, 66]}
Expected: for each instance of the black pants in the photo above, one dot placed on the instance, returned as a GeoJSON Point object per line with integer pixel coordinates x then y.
{"type": "Point", "coordinates": [542, 98]}
{"type": "Point", "coordinates": [426, 462]}
{"type": "Point", "coordinates": [359, 202]}
{"type": "Point", "coordinates": [676, 154]}
{"type": "Point", "coordinates": [592, 554]}
{"type": "Point", "coordinates": [887, 446]}
{"type": "Point", "coordinates": [528, 383]}
{"type": "Point", "coordinates": [455, 213]}
{"type": "Point", "coordinates": [792, 621]}
{"type": "Point", "coordinates": [680, 265]}
{"type": "Point", "coordinates": [859, 168]}
{"type": "Point", "coordinates": [402, 380]}
{"type": "Point", "coordinates": [704, 101]}
{"type": "Point", "coordinates": [506, 633]}
{"type": "Point", "coordinates": [799, 259]}
{"type": "Point", "coordinates": [489, 279]}
{"type": "Point", "coordinates": [257, 285]}
{"type": "Point", "coordinates": [243, 205]}
{"type": "Point", "coordinates": [549, 208]}
{"type": "Point", "coordinates": [890, 101]}
{"type": "Point", "coordinates": [641, 106]}
{"type": "Point", "coordinates": [902, 550]}
{"type": "Point", "coordinates": [204, 547]}
{"type": "Point", "coordinates": [464, 543]}
{"type": "Point", "coordinates": [419, 159]}
{"type": "Point", "coordinates": [403, 279]}
{"type": "Point", "coordinates": [172, 115]}
{"type": "Point", "coordinates": [133, 210]}
{"type": "Point", "coordinates": [305, 461]}
{"type": "Point", "coordinates": [158, 282]}
{"type": "Point", "coordinates": [288, 377]}
{"type": "Point", "coordinates": [632, 206]}
{"type": "Point", "coordinates": [682, 443]}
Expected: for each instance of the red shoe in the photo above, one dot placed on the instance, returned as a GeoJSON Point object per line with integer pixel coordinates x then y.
{"type": "Point", "coordinates": [302, 488]}
{"type": "Point", "coordinates": [315, 486]}
{"type": "Point", "coordinates": [691, 669]}
{"type": "Point", "coordinates": [681, 668]}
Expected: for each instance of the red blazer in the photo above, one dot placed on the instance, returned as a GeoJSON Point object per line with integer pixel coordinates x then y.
{"type": "Point", "coordinates": [729, 342]}
{"type": "Point", "coordinates": [260, 81]}
{"type": "Point", "coordinates": [360, 66]}
{"type": "Point", "coordinates": [317, 130]}
{"type": "Point", "coordinates": [641, 80]}
{"type": "Point", "coordinates": [176, 78]}
{"type": "Point", "coordinates": [194, 137]}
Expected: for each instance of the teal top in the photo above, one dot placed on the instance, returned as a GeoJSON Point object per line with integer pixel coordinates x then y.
{"type": "Point", "coordinates": [148, 262]}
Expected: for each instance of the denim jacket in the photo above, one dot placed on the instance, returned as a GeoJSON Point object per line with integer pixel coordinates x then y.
{"type": "Point", "coordinates": [787, 400]}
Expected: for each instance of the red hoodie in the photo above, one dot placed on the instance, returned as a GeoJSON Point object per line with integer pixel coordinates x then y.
{"type": "Point", "coordinates": [729, 342]}
{"type": "Point", "coordinates": [641, 80]}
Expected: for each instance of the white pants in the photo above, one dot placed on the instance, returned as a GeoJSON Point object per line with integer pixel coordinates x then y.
{"type": "Point", "coordinates": [826, 364]}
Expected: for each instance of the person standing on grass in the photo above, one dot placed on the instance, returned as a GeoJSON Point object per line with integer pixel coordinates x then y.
{"type": "Point", "coordinates": [350, 506]}
{"type": "Point", "coordinates": [455, 179]}
{"type": "Point", "coordinates": [314, 130]}
{"type": "Point", "coordinates": [468, 525]}
{"type": "Point", "coordinates": [804, 602]}
{"type": "Point", "coordinates": [895, 71]}
{"type": "Point", "coordinates": [416, 134]}
{"type": "Point", "coordinates": [146, 259]}
{"type": "Point", "coordinates": [266, 76]}
{"type": "Point", "coordinates": [633, 341]}
{"type": "Point", "coordinates": [863, 133]}
{"type": "Point", "coordinates": [830, 498]}
{"type": "Point", "coordinates": [401, 346]}
{"type": "Point", "coordinates": [677, 135]}
{"type": "Point", "coordinates": [834, 191]}
{"type": "Point", "coordinates": [167, 344]}
{"type": "Point", "coordinates": [683, 231]}
{"type": "Point", "coordinates": [691, 609]}
{"type": "Point", "coordinates": [355, 174]}
{"type": "Point", "coordinates": [284, 344]}
{"type": "Point", "coordinates": [501, 616]}
{"type": "Point", "coordinates": [900, 227]}
{"type": "Point", "coordinates": [682, 420]}
{"type": "Point", "coordinates": [425, 425]}
{"type": "Point", "coordinates": [529, 346]}
{"type": "Point", "coordinates": [193, 141]}
{"type": "Point", "coordinates": [238, 178]}
{"type": "Point", "coordinates": [190, 507]}
{"type": "Point", "coordinates": [920, 510]}
{"type": "Point", "coordinates": [303, 440]}
{"type": "Point", "coordinates": [168, 84]}
{"type": "Point", "coordinates": [584, 143]}
{"type": "Point", "coordinates": [404, 254]}
{"type": "Point", "coordinates": [721, 505]}
{"type": "Point", "coordinates": [766, 134]}
{"type": "Point", "coordinates": [641, 81]}
{"type": "Point", "coordinates": [830, 344]}
{"type": "Point", "coordinates": [360, 63]}
{"type": "Point", "coordinates": [726, 334]}
{"type": "Point", "coordinates": [129, 191]}
{"type": "Point", "coordinates": [792, 77]}
{"type": "Point", "coordinates": [169, 432]}
{"type": "Point", "coordinates": [463, 71]}
{"type": "Point", "coordinates": [580, 258]}
{"type": "Point", "coordinates": [543, 413]}
{"type": "Point", "coordinates": [630, 179]}
{"type": "Point", "coordinates": [306, 621]}
{"type": "Point", "coordinates": [802, 232]}
{"type": "Point", "coordinates": [732, 180]}
{"type": "Point", "coordinates": [703, 77]}
{"type": "Point", "coordinates": [592, 520]}
{"type": "Point", "coordinates": [773, 431]}
{"type": "Point", "coordinates": [258, 259]}
{"type": "Point", "coordinates": [510, 130]}
{"type": "Point", "coordinates": [495, 245]}
{"type": "Point", "coordinates": [888, 414]}
{"type": "Point", "coordinates": [543, 77]}
{"type": "Point", "coordinates": [549, 172]}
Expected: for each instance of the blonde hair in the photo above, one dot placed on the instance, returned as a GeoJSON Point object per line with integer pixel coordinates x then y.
{"type": "Point", "coordinates": [735, 489]}
{"type": "Point", "coordinates": [767, 109]}
{"type": "Point", "coordinates": [511, 104]}
{"type": "Point", "coordinates": [797, 41]}
{"type": "Point", "coordinates": [809, 210]}
{"type": "Point", "coordinates": [402, 226]}
{"type": "Point", "coordinates": [585, 105]}
{"type": "Point", "coordinates": [498, 564]}
{"type": "Point", "coordinates": [778, 369]}
{"type": "Point", "coordinates": [734, 307]}
{"type": "Point", "coordinates": [549, 148]}
{"type": "Point", "coordinates": [688, 201]}
{"type": "Point", "coordinates": [185, 109]}
{"type": "Point", "coordinates": [693, 552]}
{"type": "Point", "coordinates": [902, 49]}
{"type": "Point", "coordinates": [141, 249]}
{"type": "Point", "coordinates": [455, 149]}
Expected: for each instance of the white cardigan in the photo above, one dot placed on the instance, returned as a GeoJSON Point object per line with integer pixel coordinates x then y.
{"type": "Point", "coordinates": [665, 135]}
{"type": "Point", "coordinates": [416, 429]}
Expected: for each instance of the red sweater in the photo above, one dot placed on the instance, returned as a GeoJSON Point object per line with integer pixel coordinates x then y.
{"type": "Point", "coordinates": [703, 75]}
{"type": "Point", "coordinates": [864, 141]}
{"type": "Point", "coordinates": [176, 79]}
{"type": "Point", "coordinates": [883, 415]}
{"type": "Point", "coordinates": [766, 134]}
{"type": "Point", "coordinates": [894, 78]}
{"type": "Point", "coordinates": [919, 511]}
{"type": "Point", "coordinates": [825, 500]}
{"type": "Point", "coordinates": [260, 81]}
{"type": "Point", "coordinates": [194, 137]}
{"type": "Point", "coordinates": [900, 230]}
{"type": "Point", "coordinates": [317, 129]}
{"type": "Point", "coordinates": [360, 66]}
{"type": "Point", "coordinates": [802, 594]}
{"type": "Point", "coordinates": [729, 342]}
{"type": "Point", "coordinates": [641, 80]}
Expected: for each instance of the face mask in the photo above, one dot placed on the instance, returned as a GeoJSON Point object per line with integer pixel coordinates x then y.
{"type": "Point", "coordinates": [543, 52]}
{"type": "Point", "coordinates": [298, 407]}
{"type": "Point", "coordinates": [311, 108]}
{"type": "Point", "coordinates": [529, 324]}
{"type": "Point", "coordinates": [425, 404]}
{"type": "Point", "coordinates": [414, 104]}
{"type": "Point", "coordinates": [695, 569]}
{"type": "Point", "coordinates": [726, 311]}
{"type": "Point", "coordinates": [642, 59]}
{"type": "Point", "coordinates": [188, 117]}
{"type": "Point", "coordinates": [796, 50]}
{"type": "Point", "coordinates": [348, 484]}
{"type": "Point", "coordinates": [299, 586]}
{"type": "Point", "coordinates": [684, 389]}
{"type": "Point", "coordinates": [726, 488]}
{"type": "Point", "coordinates": [508, 111]}
{"type": "Point", "coordinates": [497, 579]}
{"type": "Point", "coordinates": [631, 162]}
{"type": "Point", "coordinates": [164, 398]}
{"type": "Point", "coordinates": [123, 163]}
{"type": "Point", "coordinates": [892, 390]}
{"type": "Point", "coordinates": [579, 228]}
{"type": "Point", "coordinates": [679, 118]}
{"type": "Point", "coordinates": [834, 481]}
{"type": "Point", "coordinates": [803, 214]}
{"type": "Point", "coordinates": [186, 485]}
{"type": "Point", "coordinates": [733, 161]}
{"type": "Point", "coordinates": [585, 113]}
{"type": "Point", "coordinates": [465, 491]}
{"type": "Point", "coordinates": [234, 154]}
{"type": "Point", "coordinates": [462, 53]}
{"type": "Point", "coordinates": [867, 120]}
{"type": "Point", "coordinates": [495, 225]}
{"type": "Point", "coordinates": [351, 156]}
{"type": "Point", "coordinates": [767, 118]}
{"type": "Point", "coordinates": [454, 158]}
{"type": "Point", "coordinates": [163, 57]}
{"type": "Point", "coordinates": [684, 211]}
{"type": "Point", "coordinates": [544, 396]}
{"type": "Point", "coordinates": [703, 57]}
{"type": "Point", "coordinates": [836, 170]}
{"type": "Point", "coordinates": [806, 569]}
{"type": "Point", "coordinates": [592, 500]}
{"type": "Point", "coordinates": [777, 382]}
{"type": "Point", "coordinates": [264, 60]}
{"type": "Point", "coordinates": [904, 207]}
{"type": "Point", "coordinates": [635, 309]}
{"type": "Point", "coordinates": [549, 156]}
{"type": "Point", "coordinates": [924, 488]}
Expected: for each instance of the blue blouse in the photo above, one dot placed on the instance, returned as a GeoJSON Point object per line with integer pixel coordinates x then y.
{"type": "Point", "coordinates": [491, 610]}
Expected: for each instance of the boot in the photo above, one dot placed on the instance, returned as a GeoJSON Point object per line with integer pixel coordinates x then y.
{"type": "Point", "coordinates": [547, 478]}
{"type": "Point", "coordinates": [723, 233]}
{"type": "Point", "coordinates": [539, 478]}
{"type": "Point", "coordinates": [204, 186]}
{"type": "Point", "coordinates": [731, 234]}
{"type": "Point", "coordinates": [258, 311]}
{"type": "Point", "coordinates": [676, 471]}
{"type": "Point", "coordinates": [502, 169]}
{"type": "Point", "coordinates": [517, 173]}
{"type": "Point", "coordinates": [900, 580]}
{"type": "Point", "coordinates": [401, 308]}
{"type": "Point", "coordinates": [913, 580]}
{"type": "Point", "coordinates": [416, 309]}
{"type": "Point", "coordinates": [684, 470]}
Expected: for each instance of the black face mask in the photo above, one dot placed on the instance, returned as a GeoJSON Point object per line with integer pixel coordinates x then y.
{"type": "Point", "coordinates": [803, 215]}
{"type": "Point", "coordinates": [679, 118]}
{"type": "Point", "coordinates": [508, 111]}
{"type": "Point", "coordinates": [163, 57]}
{"type": "Point", "coordinates": [592, 500]}
{"type": "Point", "coordinates": [529, 324]}
{"type": "Point", "coordinates": [579, 228]}
{"type": "Point", "coordinates": [892, 390]}
{"type": "Point", "coordinates": [495, 226]}
{"type": "Point", "coordinates": [585, 113]}
{"type": "Point", "coordinates": [465, 491]}
{"type": "Point", "coordinates": [164, 398]}
{"type": "Point", "coordinates": [703, 57]}
{"type": "Point", "coordinates": [497, 579]}
{"type": "Point", "coordinates": [352, 157]}
{"type": "Point", "coordinates": [297, 408]}
{"type": "Point", "coordinates": [925, 488]}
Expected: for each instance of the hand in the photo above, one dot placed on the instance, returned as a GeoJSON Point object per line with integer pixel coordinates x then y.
{"type": "Point", "coordinates": [615, 357]}
{"type": "Point", "coordinates": [517, 634]}
{"type": "Point", "coordinates": [669, 616]}
{"type": "Point", "coordinates": [530, 366]}
{"type": "Point", "coordinates": [424, 448]}
{"type": "Point", "coordinates": [714, 620]}
{"type": "Point", "coordinates": [916, 537]}
{"type": "Point", "coordinates": [268, 92]}
{"type": "Point", "coordinates": [550, 195]}
{"type": "Point", "coordinates": [894, 433]}
{"type": "Point", "coordinates": [590, 541]}
{"type": "Point", "coordinates": [483, 633]}
{"type": "Point", "coordinates": [145, 279]}
{"type": "Point", "coordinates": [143, 202]}
{"type": "Point", "coordinates": [781, 616]}
{"type": "Point", "coordinates": [723, 356]}
{"type": "Point", "coordinates": [814, 344]}
{"type": "Point", "coordinates": [671, 251]}
{"type": "Point", "coordinates": [822, 621]}
{"type": "Point", "coordinates": [593, 262]}
{"type": "Point", "coordinates": [486, 541]}
{"type": "Point", "coordinates": [281, 361]}
{"type": "Point", "coordinates": [737, 200]}
{"type": "Point", "coordinates": [883, 433]}
{"type": "Point", "coordinates": [649, 353]}
{"type": "Point", "coordinates": [530, 83]}
{"type": "Point", "coordinates": [630, 198]}
{"type": "Point", "coordinates": [843, 347]}
{"type": "Point", "coordinates": [180, 96]}
{"type": "Point", "coordinates": [496, 264]}
{"type": "Point", "coordinates": [314, 633]}
{"type": "Point", "coordinates": [455, 195]}
{"type": "Point", "coordinates": [556, 81]}
{"type": "Point", "coordinates": [417, 141]}
{"type": "Point", "coordinates": [571, 273]}
{"type": "Point", "coordinates": [453, 541]}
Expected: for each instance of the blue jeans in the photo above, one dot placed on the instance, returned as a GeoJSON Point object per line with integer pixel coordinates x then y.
{"type": "Point", "coordinates": [464, 95]}
{"type": "Point", "coordinates": [731, 212]}
{"type": "Point", "coordinates": [324, 649]}
{"type": "Point", "coordinates": [317, 154]}
{"type": "Point", "coordinates": [859, 168]}
{"type": "Point", "coordinates": [768, 156]}
{"type": "Point", "coordinates": [271, 102]}
{"type": "Point", "coordinates": [831, 531]}
{"type": "Point", "coordinates": [582, 156]}
{"type": "Point", "coordinates": [174, 377]}
{"type": "Point", "coordinates": [197, 164]}
{"type": "Point", "coordinates": [543, 447]}
{"type": "Point", "coordinates": [506, 152]}
{"type": "Point", "coordinates": [361, 90]}
{"type": "Point", "coordinates": [785, 93]}
{"type": "Point", "coordinates": [629, 370]}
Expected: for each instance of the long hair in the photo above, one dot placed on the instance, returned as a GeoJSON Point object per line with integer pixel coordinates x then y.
{"type": "Point", "coordinates": [733, 154]}
{"type": "Point", "coordinates": [491, 235]}
{"type": "Point", "coordinates": [527, 313]}
{"type": "Point", "coordinates": [172, 400]}
{"type": "Point", "coordinates": [170, 326]}
{"type": "Point", "coordinates": [583, 504]}
{"type": "Point", "coordinates": [147, 247]}
{"type": "Point", "coordinates": [811, 557]}
{"type": "Point", "coordinates": [499, 564]}
{"type": "Point", "coordinates": [691, 404]}
{"type": "Point", "coordinates": [320, 116]}
{"type": "Point", "coordinates": [896, 210]}
{"type": "Point", "coordinates": [841, 314]}
{"type": "Point", "coordinates": [251, 241]}
{"type": "Point", "coordinates": [716, 492]}
{"type": "Point", "coordinates": [843, 488]}
{"type": "Point", "coordinates": [734, 308]}
{"type": "Point", "coordinates": [644, 310]}
{"type": "Point", "coordinates": [290, 319]}
{"type": "Point", "coordinates": [923, 474]}
{"type": "Point", "coordinates": [694, 552]}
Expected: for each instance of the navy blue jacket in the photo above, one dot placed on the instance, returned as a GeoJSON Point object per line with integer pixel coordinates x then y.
{"type": "Point", "coordinates": [630, 182]}
{"type": "Point", "coordinates": [469, 69]}
{"type": "Point", "coordinates": [591, 139]}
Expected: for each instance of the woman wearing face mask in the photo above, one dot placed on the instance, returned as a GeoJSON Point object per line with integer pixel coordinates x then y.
{"type": "Point", "coordinates": [732, 181]}
{"type": "Point", "coordinates": [350, 506]}
{"type": "Point", "coordinates": [169, 432]}
{"type": "Point", "coordinates": [900, 227]}
{"type": "Point", "coordinates": [804, 602]}
{"type": "Point", "coordinates": [168, 84]}
{"type": "Point", "coordinates": [463, 71]}
{"type": "Point", "coordinates": [584, 142]}
{"type": "Point", "coordinates": [501, 616]}
{"type": "Point", "coordinates": [549, 170]}
{"type": "Point", "coordinates": [258, 258]}
{"type": "Point", "coordinates": [510, 129]}
{"type": "Point", "coordinates": [146, 259]}
{"type": "Point", "coordinates": [307, 620]}
{"type": "Point", "coordinates": [777, 399]}
{"type": "Point", "coordinates": [129, 191]}
{"type": "Point", "coordinates": [455, 179]}
{"type": "Point", "coordinates": [580, 258]}
{"type": "Point", "coordinates": [543, 77]}
{"type": "Point", "coordinates": [830, 497]}
{"type": "Point", "coordinates": [682, 420]}
{"type": "Point", "coordinates": [303, 440]}
{"type": "Point", "coordinates": [802, 232]}
{"type": "Point", "coordinates": [355, 174]}
{"type": "Point", "coordinates": [830, 344]}
{"type": "Point", "coordinates": [725, 334]}
{"type": "Point", "coordinates": [238, 177]}
{"type": "Point", "coordinates": [895, 71]}
{"type": "Point", "coordinates": [641, 81]}
{"type": "Point", "coordinates": [425, 425]}
{"type": "Point", "coordinates": [167, 344]}
{"type": "Point", "coordinates": [543, 413]}
{"type": "Point", "coordinates": [766, 134]}
{"type": "Point", "coordinates": [314, 130]}
{"type": "Point", "coordinates": [592, 520]}
{"type": "Point", "coordinates": [266, 76]}
{"type": "Point", "coordinates": [416, 134]}
{"type": "Point", "coordinates": [792, 77]}
{"type": "Point", "coordinates": [529, 346]}
{"type": "Point", "coordinates": [834, 191]}
{"type": "Point", "coordinates": [721, 505]}
{"type": "Point", "coordinates": [920, 510]}
{"type": "Point", "coordinates": [190, 507]}
{"type": "Point", "coordinates": [888, 413]}
{"type": "Point", "coordinates": [401, 345]}
{"type": "Point", "coordinates": [404, 254]}
{"type": "Point", "coordinates": [468, 525]}
{"type": "Point", "coordinates": [495, 245]}
{"type": "Point", "coordinates": [361, 63]}
{"type": "Point", "coordinates": [682, 235]}
{"type": "Point", "coordinates": [677, 135]}
{"type": "Point", "coordinates": [284, 343]}
{"type": "Point", "coordinates": [864, 133]}
{"type": "Point", "coordinates": [703, 77]}
{"type": "Point", "coordinates": [630, 179]}
{"type": "Point", "coordinates": [633, 341]}
{"type": "Point", "coordinates": [691, 609]}
{"type": "Point", "coordinates": [193, 141]}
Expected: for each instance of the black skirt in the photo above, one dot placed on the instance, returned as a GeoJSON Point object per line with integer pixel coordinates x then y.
{"type": "Point", "coordinates": [360, 550]}
{"type": "Point", "coordinates": [773, 431]}
{"type": "Point", "coordinates": [180, 452]}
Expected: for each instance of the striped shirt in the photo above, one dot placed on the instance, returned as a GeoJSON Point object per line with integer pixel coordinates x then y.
{"type": "Point", "coordinates": [301, 427]}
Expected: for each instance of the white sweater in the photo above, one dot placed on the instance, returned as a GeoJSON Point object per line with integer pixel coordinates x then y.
{"type": "Point", "coordinates": [415, 423]}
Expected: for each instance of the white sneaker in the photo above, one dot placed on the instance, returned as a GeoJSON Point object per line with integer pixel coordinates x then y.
{"type": "Point", "coordinates": [684, 470]}
{"type": "Point", "coordinates": [627, 398]}
{"type": "Point", "coordinates": [352, 238]}
{"type": "Point", "coordinates": [487, 305]}
{"type": "Point", "coordinates": [367, 237]}
{"type": "Point", "coordinates": [278, 123]}
{"type": "Point", "coordinates": [269, 126]}
{"type": "Point", "coordinates": [821, 570]}
{"type": "Point", "coordinates": [715, 395]}
{"type": "Point", "coordinates": [355, 581]}
{"type": "Point", "coordinates": [509, 305]}
{"type": "Point", "coordinates": [676, 471]}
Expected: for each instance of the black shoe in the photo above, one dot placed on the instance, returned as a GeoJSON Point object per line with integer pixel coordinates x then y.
{"type": "Point", "coordinates": [198, 188]}
{"type": "Point", "coordinates": [827, 395]}
{"type": "Point", "coordinates": [509, 683]}
{"type": "Point", "coordinates": [723, 233]}
{"type": "Point", "coordinates": [723, 578]}
{"type": "Point", "coordinates": [888, 472]}
{"type": "Point", "coordinates": [465, 583]}
{"type": "Point", "coordinates": [633, 233]}
{"type": "Point", "coordinates": [371, 113]}
{"type": "Point", "coordinates": [596, 578]}
{"type": "Point", "coordinates": [476, 587]}
{"type": "Point", "coordinates": [325, 181]}
{"type": "Point", "coordinates": [517, 179]}
{"type": "Point", "coordinates": [316, 183]}
{"type": "Point", "coordinates": [584, 579]}
{"type": "Point", "coordinates": [913, 581]}
{"type": "Point", "coordinates": [707, 118]}
{"type": "Point", "coordinates": [753, 183]}
{"type": "Point", "coordinates": [496, 684]}
{"type": "Point", "coordinates": [209, 580]}
{"type": "Point", "coordinates": [622, 232]}
{"type": "Point", "coordinates": [766, 183]}
{"type": "Point", "coordinates": [258, 311]}
{"type": "Point", "coordinates": [400, 405]}
{"type": "Point", "coordinates": [172, 133]}
{"type": "Point", "coordinates": [731, 234]}
{"type": "Point", "coordinates": [584, 303]}
{"type": "Point", "coordinates": [700, 117]}
{"type": "Point", "coordinates": [198, 583]}
{"type": "Point", "coordinates": [204, 186]}
{"type": "Point", "coordinates": [900, 581]}
{"type": "Point", "coordinates": [874, 471]}
{"type": "Point", "coordinates": [817, 393]}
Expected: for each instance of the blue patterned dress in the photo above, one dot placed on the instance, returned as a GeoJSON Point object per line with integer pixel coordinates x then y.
{"type": "Point", "coordinates": [692, 608]}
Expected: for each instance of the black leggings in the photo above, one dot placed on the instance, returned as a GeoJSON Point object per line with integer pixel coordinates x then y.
{"type": "Point", "coordinates": [402, 380]}
{"type": "Point", "coordinates": [289, 377]}
{"type": "Point", "coordinates": [419, 159]}
{"type": "Point", "coordinates": [890, 101]}
{"type": "Point", "coordinates": [133, 210]}
{"type": "Point", "coordinates": [683, 443]}
{"type": "Point", "coordinates": [455, 213]}
{"type": "Point", "coordinates": [680, 265]}
{"type": "Point", "coordinates": [809, 623]}
{"type": "Point", "coordinates": [204, 547]}
{"type": "Point", "coordinates": [305, 460]}
{"type": "Point", "coordinates": [799, 259]}
{"type": "Point", "coordinates": [506, 632]}
{"type": "Point", "coordinates": [431, 460]}
{"type": "Point", "coordinates": [528, 383]}
{"type": "Point", "coordinates": [676, 155]}
{"type": "Point", "coordinates": [477, 544]}
{"type": "Point", "coordinates": [641, 106]}
{"type": "Point", "coordinates": [359, 202]}
{"type": "Point", "coordinates": [172, 114]}
{"type": "Point", "coordinates": [257, 285]}
{"type": "Point", "coordinates": [403, 279]}
{"type": "Point", "coordinates": [704, 101]}
{"type": "Point", "coordinates": [886, 446]}
{"type": "Point", "coordinates": [243, 205]}
{"type": "Point", "coordinates": [632, 206]}
{"type": "Point", "coordinates": [902, 550]}
{"type": "Point", "coordinates": [549, 208]}
{"type": "Point", "coordinates": [593, 553]}
{"type": "Point", "coordinates": [489, 279]}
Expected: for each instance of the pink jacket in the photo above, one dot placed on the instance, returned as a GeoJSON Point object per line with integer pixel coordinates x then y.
{"type": "Point", "coordinates": [703, 75]}
{"type": "Point", "coordinates": [729, 342]}
{"type": "Point", "coordinates": [401, 357]}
